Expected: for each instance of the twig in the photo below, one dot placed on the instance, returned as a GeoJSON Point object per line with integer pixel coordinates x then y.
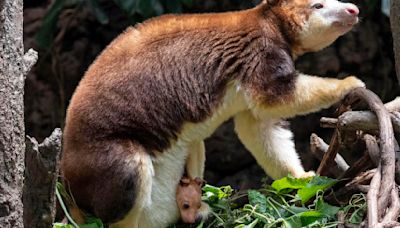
{"type": "Point", "coordinates": [341, 219]}
{"type": "Point", "coordinates": [360, 165]}
{"type": "Point", "coordinates": [372, 148]}
{"type": "Point", "coordinates": [329, 157]}
{"type": "Point", "coordinates": [318, 147]}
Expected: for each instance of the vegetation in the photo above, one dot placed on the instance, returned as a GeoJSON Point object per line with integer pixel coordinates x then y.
{"type": "Point", "coordinates": [288, 202]}
{"type": "Point", "coordinates": [137, 10]}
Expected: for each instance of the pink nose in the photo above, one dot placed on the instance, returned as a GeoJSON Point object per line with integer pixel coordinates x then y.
{"type": "Point", "coordinates": [353, 10]}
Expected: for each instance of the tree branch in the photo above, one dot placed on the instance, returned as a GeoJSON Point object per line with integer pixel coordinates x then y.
{"type": "Point", "coordinates": [318, 147]}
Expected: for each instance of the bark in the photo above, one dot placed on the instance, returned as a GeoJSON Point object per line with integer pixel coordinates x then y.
{"type": "Point", "coordinates": [395, 25]}
{"type": "Point", "coordinates": [359, 120]}
{"type": "Point", "coordinates": [41, 172]}
{"type": "Point", "coordinates": [12, 131]}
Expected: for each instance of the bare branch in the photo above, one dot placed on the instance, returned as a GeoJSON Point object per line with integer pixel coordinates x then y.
{"type": "Point", "coordinates": [358, 120]}
{"type": "Point", "coordinates": [318, 147]}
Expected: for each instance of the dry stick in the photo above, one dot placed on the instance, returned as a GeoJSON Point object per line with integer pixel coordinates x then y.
{"type": "Point", "coordinates": [341, 219]}
{"type": "Point", "coordinates": [329, 157]}
{"type": "Point", "coordinates": [372, 198]}
{"type": "Point", "coordinates": [318, 147]}
{"type": "Point", "coordinates": [372, 148]}
{"type": "Point", "coordinates": [360, 165]}
{"type": "Point", "coordinates": [387, 161]}
{"type": "Point", "coordinates": [334, 145]}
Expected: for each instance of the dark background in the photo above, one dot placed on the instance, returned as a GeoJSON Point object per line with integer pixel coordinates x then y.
{"type": "Point", "coordinates": [78, 34]}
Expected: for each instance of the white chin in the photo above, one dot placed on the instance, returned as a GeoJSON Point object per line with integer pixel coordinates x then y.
{"type": "Point", "coordinates": [342, 28]}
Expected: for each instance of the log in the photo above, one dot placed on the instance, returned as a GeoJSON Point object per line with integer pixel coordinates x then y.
{"type": "Point", "coordinates": [41, 173]}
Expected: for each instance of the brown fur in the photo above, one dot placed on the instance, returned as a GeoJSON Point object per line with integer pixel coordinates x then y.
{"type": "Point", "coordinates": [167, 71]}
{"type": "Point", "coordinates": [188, 198]}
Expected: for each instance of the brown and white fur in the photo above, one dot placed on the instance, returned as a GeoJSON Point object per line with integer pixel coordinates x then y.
{"type": "Point", "coordinates": [188, 199]}
{"type": "Point", "coordinates": [159, 89]}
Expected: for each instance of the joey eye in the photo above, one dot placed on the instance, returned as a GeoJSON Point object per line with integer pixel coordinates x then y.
{"type": "Point", "coordinates": [186, 205]}
{"type": "Point", "coordinates": [317, 6]}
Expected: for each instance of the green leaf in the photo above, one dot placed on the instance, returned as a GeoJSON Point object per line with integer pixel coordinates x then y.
{"type": "Point", "coordinates": [129, 6]}
{"type": "Point", "coordinates": [325, 208]}
{"type": "Point", "coordinates": [309, 217]}
{"type": "Point", "coordinates": [316, 184]}
{"type": "Point", "coordinates": [293, 221]}
{"type": "Point", "coordinates": [92, 222]}
{"type": "Point", "coordinates": [290, 183]}
{"type": "Point", "coordinates": [220, 193]}
{"type": "Point", "coordinates": [98, 11]}
{"type": "Point", "coordinates": [62, 225]}
{"type": "Point", "coordinates": [258, 199]}
{"type": "Point", "coordinates": [357, 216]}
{"type": "Point", "coordinates": [45, 35]}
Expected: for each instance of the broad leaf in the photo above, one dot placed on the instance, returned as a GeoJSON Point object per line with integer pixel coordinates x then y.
{"type": "Point", "coordinates": [62, 225]}
{"type": "Point", "coordinates": [290, 183]}
{"type": "Point", "coordinates": [258, 199]}
{"type": "Point", "coordinates": [326, 209]}
{"type": "Point", "coordinates": [309, 217]}
{"type": "Point", "coordinates": [316, 184]}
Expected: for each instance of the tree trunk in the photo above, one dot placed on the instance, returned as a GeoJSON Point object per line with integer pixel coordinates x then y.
{"type": "Point", "coordinates": [41, 173]}
{"type": "Point", "coordinates": [395, 24]}
{"type": "Point", "coordinates": [13, 67]}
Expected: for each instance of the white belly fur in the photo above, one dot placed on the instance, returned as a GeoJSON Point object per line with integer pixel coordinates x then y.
{"type": "Point", "coordinates": [168, 166]}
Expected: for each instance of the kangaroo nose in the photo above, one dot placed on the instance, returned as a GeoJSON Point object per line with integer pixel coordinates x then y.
{"type": "Point", "coordinates": [353, 10]}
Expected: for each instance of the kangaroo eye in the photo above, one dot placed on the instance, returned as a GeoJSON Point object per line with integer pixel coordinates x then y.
{"type": "Point", "coordinates": [186, 205]}
{"type": "Point", "coordinates": [317, 6]}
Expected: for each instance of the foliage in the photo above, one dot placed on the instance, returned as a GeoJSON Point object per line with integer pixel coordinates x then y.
{"type": "Point", "coordinates": [278, 205]}
{"type": "Point", "coordinates": [288, 202]}
{"type": "Point", "coordinates": [137, 9]}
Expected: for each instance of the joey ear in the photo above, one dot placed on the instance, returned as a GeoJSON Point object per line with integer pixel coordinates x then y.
{"type": "Point", "coordinates": [185, 181]}
{"type": "Point", "coordinates": [199, 181]}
